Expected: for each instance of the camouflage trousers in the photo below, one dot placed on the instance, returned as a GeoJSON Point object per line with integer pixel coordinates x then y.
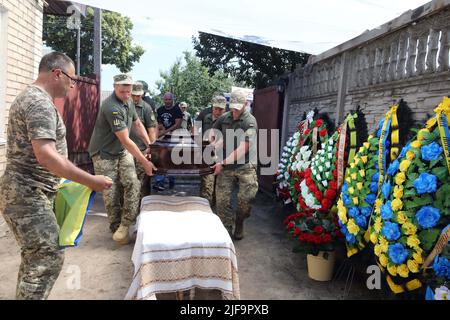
{"type": "Point", "coordinates": [28, 211]}
{"type": "Point", "coordinates": [227, 180]}
{"type": "Point", "coordinates": [207, 188]}
{"type": "Point", "coordinates": [143, 178]}
{"type": "Point", "coordinates": [122, 199]}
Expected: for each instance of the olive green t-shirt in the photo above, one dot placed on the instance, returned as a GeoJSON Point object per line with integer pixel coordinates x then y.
{"type": "Point", "coordinates": [233, 132]}
{"type": "Point", "coordinates": [113, 116]}
{"type": "Point", "coordinates": [148, 119]}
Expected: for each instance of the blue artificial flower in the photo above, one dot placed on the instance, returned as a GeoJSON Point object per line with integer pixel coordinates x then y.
{"type": "Point", "coordinates": [375, 177]}
{"type": "Point", "coordinates": [361, 221]}
{"type": "Point", "coordinates": [366, 211]}
{"type": "Point", "coordinates": [393, 168]}
{"type": "Point", "coordinates": [345, 187]}
{"type": "Point", "coordinates": [405, 150]}
{"type": "Point", "coordinates": [376, 165]}
{"type": "Point", "coordinates": [373, 187]}
{"type": "Point", "coordinates": [370, 199]}
{"type": "Point", "coordinates": [391, 231]}
{"type": "Point", "coordinates": [344, 230]}
{"type": "Point", "coordinates": [431, 152]}
{"type": "Point", "coordinates": [397, 253]}
{"type": "Point", "coordinates": [428, 217]}
{"type": "Point", "coordinates": [353, 212]}
{"type": "Point", "coordinates": [380, 127]}
{"type": "Point", "coordinates": [350, 238]}
{"type": "Point", "coordinates": [441, 267]}
{"type": "Point", "coordinates": [386, 189]}
{"type": "Point", "coordinates": [346, 199]}
{"type": "Point", "coordinates": [426, 183]}
{"type": "Point", "coordinates": [386, 211]}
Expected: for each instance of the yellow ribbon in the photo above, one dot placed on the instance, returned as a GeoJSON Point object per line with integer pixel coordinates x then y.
{"type": "Point", "coordinates": [395, 135]}
{"type": "Point", "coordinates": [443, 110]}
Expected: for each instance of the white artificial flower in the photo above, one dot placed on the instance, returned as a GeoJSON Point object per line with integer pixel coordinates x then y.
{"type": "Point", "coordinates": [286, 175]}
{"type": "Point", "coordinates": [314, 172]}
{"type": "Point", "coordinates": [325, 183]}
{"type": "Point", "coordinates": [328, 165]}
{"type": "Point", "coordinates": [330, 148]}
{"type": "Point", "coordinates": [320, 168]}
{"type": "Point", "coordinates": [318, 177]}
{"type": "Point", "coordinates": [442, 293]}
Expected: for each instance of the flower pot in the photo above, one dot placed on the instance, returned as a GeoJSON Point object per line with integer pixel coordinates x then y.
{"type": "Point", "coordinates": [319, 268]}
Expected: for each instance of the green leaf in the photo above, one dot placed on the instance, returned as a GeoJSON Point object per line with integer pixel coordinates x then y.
{"type": "Point", "coordinates": [440, 172]}
{"type": "Point", "coordinates": [410, 192]}
{"type": "Point", "coordinates": [421, 201]}
{"type": "Point", "coordinates": [428, 238]}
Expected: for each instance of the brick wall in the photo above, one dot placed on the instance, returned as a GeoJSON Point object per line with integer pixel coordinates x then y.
{"type": "Point", "coordinates": [406, 58]}
{"type": "Point", "coordinates": [22, 40]}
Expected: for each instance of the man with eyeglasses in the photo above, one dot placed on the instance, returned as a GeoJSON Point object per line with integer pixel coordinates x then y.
{"type": "Point", "coordinates": [36, 159]}
{"type": "Point", "coordinates": [112, 153]}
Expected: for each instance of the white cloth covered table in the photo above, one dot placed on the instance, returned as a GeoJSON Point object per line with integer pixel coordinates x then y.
{"type": "Point", "coordinates": [180, 245]}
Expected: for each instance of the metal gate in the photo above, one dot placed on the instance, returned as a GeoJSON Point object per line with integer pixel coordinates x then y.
{"type": "Point", "coordinates": [79, 112]}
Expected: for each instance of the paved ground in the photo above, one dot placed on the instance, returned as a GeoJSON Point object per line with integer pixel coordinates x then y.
{"type": "Point", "coordinates": [268, 269]}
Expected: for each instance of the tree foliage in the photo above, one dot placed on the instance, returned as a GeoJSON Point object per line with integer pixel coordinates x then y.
{"type": "Point", "coordinates": [192, 82]}
{"type": "Point", "coordinates": [253, 64]}
{"type": "Point", "coordinates": [117, 47]}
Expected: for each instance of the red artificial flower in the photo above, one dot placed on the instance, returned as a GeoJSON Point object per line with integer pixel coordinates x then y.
{"type": "Point", "coordinates": [330, 194]}
{"type": "Point", "coordinates": [297, 186]}
{"type": "Point", "coordinates": [309, 182]}
{"type": "Point", "coordinates": [297, 231]}
{"type": "Point", "coordinates": [338, 233]}
{"type": "Point", "coordinates": [335, 173]}
{"type": "Point", "coordinates": [333, 185]}
{"type": "Point", "coordinates": [302, 237]}
{"type": "Point", "coordinates": [323, 132]}
{"type": "Point", "coordinates": [318, 196]}
{"type": "Point", "coordinates": [326, 204]}
{"type": "Point", "coordinates": [307, 172]}
{"type": "Point", "coordinates": [301, 175]}
{"type": "Point", "coordinates": [318, 230]}
{"type": "Point", "coordinates": [309, 214]}
{"type": "Point", "coordinates": [318, 123]}
{"type": "Point", "coordinates": [307, 131]}
{"type": "Point", "coordinates": [326, 238]}
{"type": "Point", "coordinates": [290, 225]}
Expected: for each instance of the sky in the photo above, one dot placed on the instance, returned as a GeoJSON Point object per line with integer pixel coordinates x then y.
{"type": "Point", "coordinates": [165, 28]}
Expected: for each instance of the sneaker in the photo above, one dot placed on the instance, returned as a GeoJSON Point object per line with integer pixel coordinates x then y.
{"type": "Point", "coordinates": [121, 235]}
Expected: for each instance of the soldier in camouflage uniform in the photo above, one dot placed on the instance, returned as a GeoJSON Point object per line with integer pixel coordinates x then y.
{"type": "Point", "coordinates": [112, 152]}
{"type": "Point", "coordinates": [148, 119]}
{"type": "Point", "coordinates": [36, 158]}
{"type": "Point", "coordinates": [208, 182]}
{"type": "Point", "coordinates": [238, 167]}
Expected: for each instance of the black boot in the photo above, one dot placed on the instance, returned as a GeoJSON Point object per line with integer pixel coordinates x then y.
{"type": "Point", "coordinates": [239, 229]}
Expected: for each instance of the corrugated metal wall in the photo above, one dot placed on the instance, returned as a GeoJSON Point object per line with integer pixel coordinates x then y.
{"type": "Point", "coordinates": [79, 112]}
{"type": "Point", "coordinates": [268, 111]}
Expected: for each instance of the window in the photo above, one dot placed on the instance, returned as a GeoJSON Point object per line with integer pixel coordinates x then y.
{"type": "Point", "coordinates": [3, 61]}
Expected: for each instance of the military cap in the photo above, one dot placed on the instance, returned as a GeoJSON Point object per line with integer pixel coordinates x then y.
{"type": "Point", "coordinates": [238, 99]}
{"type": "Point", "coordinates": [219, 101]}
{"type": "Point", "coordinates": [145, 85]}
{"type": "Point", "coordinates": [138, 89]}
{"type": "Point", "coordinates": [123, 79]}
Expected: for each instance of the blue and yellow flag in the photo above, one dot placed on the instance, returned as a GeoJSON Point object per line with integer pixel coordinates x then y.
{"type": "Point", "coordinates": [72, 203]}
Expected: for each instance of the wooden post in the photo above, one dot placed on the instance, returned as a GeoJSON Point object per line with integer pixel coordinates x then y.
{"type": "Point", "coordinates": [342, 89]}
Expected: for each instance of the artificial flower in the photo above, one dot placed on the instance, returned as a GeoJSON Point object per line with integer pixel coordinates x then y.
{"type": "Point", "coordinates": [397, 253]}
{"type": "Point", "coordinates": [386, 211]}
{"type": "Point", "coordinates": [442, 293]}
{"type": "Point", "coordinates": [401, 217]}
{"type": "Point", "coordinates": [417, 257]}
{"type": "Point", "coordinates": [441, 267]}
{"type": "Point", "coordinates": [392, 269]}
{"type": "Point", "coordinates": [355, 201]}
{"type": "Point", "coordinates": [393, 168]}
{"type": "Point", "coordinates": [403, 271]}
{"type": "Point", "coordinates": [422, 133]}
{"type": "Point", "coordinates": [391, 231]}
{"type": "Point", "coordinates": [428, 216]}
{"type": "Point", "coordinates": [383, 260]}
{"type": "Point", "coordinates": [364, 159]}
{"type": "Point", "coordinates": [373, 238]}
{"type": "Point", "coordinates": [409, 228]}
{"type": "Point", "coordinates": [426, 183]}
{"type": "Point", "coordinates": [378, 204]}
{"type": "Point", "coordinates": [431, 152]}
{"type": "Point", "coordinates": [398, 192]}
{"type": "Point", "coordinates": [359, 185]}
{"type": "Point", "coordinates": [352, 227]}
{"type": "Point", "coordinates": [416, 144]}
{"type": "Point", "coordinates": [410, 155]}
{"type": "Point", "coordinates": [378, 224]}
{"type": "Point", "coordinates": [400, 178]}
{"type": "Point", "coordinates": [404, 165]}
{"type": "Point", "coordinates": [396, 204]}
{"type": "Point", "coordinates": [413, 241]}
